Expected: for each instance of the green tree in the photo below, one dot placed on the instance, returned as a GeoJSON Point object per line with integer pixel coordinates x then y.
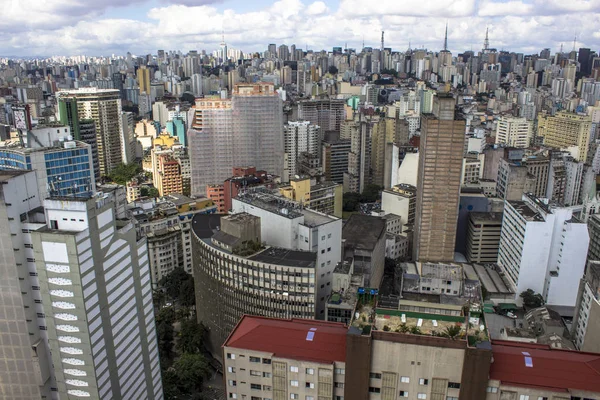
{"type": "Point", "coordinates": [371, 193]}
{"type": "Point", "coordinates": [164, 333]}
{"type": "Point", "coordinates": [332, 70]}
{"type": "Point", "coordinates": [415, 330]}
{"type": "Point", "coordinates": [191, 337]}
{"type": "Point", "coordinates": [350, 201]}
{"type": "Point", "coordinates": [147, 191]}
{"type": "Point", "coordinates": [173, 281]}
{"type": "Point", "coordinates": [532, 299]}
{"type": "Point", "coordinates": [452, 331]}
{"type": "Point", "coordinates": [191, 370]}
{"type": "Point", "coordinates": [187, 294]}
{"type": "Point", "coordinates": [124, 173]}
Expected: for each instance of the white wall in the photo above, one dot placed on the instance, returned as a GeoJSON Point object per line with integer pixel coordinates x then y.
{"type": "Point", "coordinates": [408, 171]}
{"type": "Point", "coordinates": [535, 255]}
{"type": "Point", "coordinates": [393, 203]}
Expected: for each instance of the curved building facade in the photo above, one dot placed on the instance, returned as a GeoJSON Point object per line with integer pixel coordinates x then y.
{"type": "Point", "coordinates": [271, 282]}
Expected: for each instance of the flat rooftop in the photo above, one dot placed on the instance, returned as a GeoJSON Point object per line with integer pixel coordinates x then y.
{"type": "Point", "coordinates": [490, 217]}
{"type": "Point", "coordinates": [7, 174]}
{"type": "Point", "coordinates": [527, 212]}
{"type": "Point", "coordinates": [270, 202]}
{"type": "Point", "coordinates": [363, 231]}
{"type": "Point", "coordinates": [291, 258]}
{"type": "Point", "coordinates": [314, 218]}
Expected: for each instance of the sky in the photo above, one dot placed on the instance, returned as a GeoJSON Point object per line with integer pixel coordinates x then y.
{"type": "Point", "coordinates": [43, 28]}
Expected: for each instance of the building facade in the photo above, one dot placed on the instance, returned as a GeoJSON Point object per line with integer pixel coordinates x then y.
{"type": "Point", "coordinates": [440, 164]}
{"type": "Point", "coordinates": [514, 132]}
{"type": "Point", "coordinates": [299, 137]}
{"type": "Point", "coordinates": [483, 237]}
{"type": "Point", "coordinates": [96, 292]}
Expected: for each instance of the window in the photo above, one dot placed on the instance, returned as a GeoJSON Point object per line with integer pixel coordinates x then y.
{"type": "Point", "coordinates": [322, 237]}
{"type": "Point", "coordinates": [374, 375]}
{"type": "Point", "coordinates": [231, 356]}
{"type": "Point", "coordinates": [294, 396]}
{"type": "Point", "coordinates": [404, 379]}
{"type": "Point", "coordinates": [266, 361]}
{"type": "Point", "coordinates": [374, 389]}
{"type": "Point", "coordinates": [255, 386]}
{"type": "Point", "coordinates": [421, 395]}
{"type": "Point", "coordinates": [255, 359]}
{"type": "Point", "coordinates": [293, 369]}
{"type": "Point", "coordinates": [329, 235]}
{"type": "Point", "coordinates": [266, 374]}
{"type": "Point", "coordinates": [451, 398]}
{"type": "Point", "coordinates": [454, 385]}
{"type": "Point", "coordinates": [310, 371]}
{"type": "Point", "coordinates": [309, 385]}
{"type": "Point", "coordinates": [233, 395]}
{"type": "Point", "coordinates": [542, 398]}
{"type": "Point", "coordinates": [339, 397]}
{"type": "Point", "coordinates": [339, 385]}
{"type": "Point", "coordinates": [231, 369]}
{"type": "Point", "coordinates": [255, 398]}
{"type": "Point", "coordinates": [403, 393]}
{"type": "Point", "coordinates": [232, 383]}
{"type": "Point", "coordinates": [423, 382]}
{"type": "Point", "coordinates": [492, 389]}
{"type": "Point", "coordinates": [524, 397]}
{"type": "Point", "coordinates": [309, 398]}
{"type": "Point", "coordinates": [294, 383]}
{"type": "Point", "coordinates": [340, 371]}
{"type": "Point", "coordinates": [255, 373]}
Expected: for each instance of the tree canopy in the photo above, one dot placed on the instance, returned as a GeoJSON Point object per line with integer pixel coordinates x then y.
{"type": "Point", "coordinates": [532, 299]}
{"type": "Point", "coordinates": [332, 70]}
{"type": "Point", "coordinates": [370, 194]}
{"type": "Point", "coordinates": [124, 173]}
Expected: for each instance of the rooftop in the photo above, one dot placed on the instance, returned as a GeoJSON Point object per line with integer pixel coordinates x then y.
{"type": "Point", "coordinates": [291, 258]}
{"type": "Point", "coordinates": [530, 365]}
{"type": "Point", "coordinates": [363, 231]}
{"type": "Point", "coordinates": [6, 175]}
{"type": "Point", "coordinates": [527, 212]}
{"type": "Point", "coordinates": [310, 340]}
{"type": "Point", "coordinates": [270, 202]}
{"type": "Point", "coordinates": [487, 216]}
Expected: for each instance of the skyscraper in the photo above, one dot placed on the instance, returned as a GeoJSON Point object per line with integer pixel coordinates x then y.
{"type": "Point", "coordinates": [143, 77]}
{"type": "Point", "coordinates": [438, 188]}
{"type": "Point", "coordinates": [244, 130]}
{"type": "Point", "coordinates": [514, 132]}
{"type": "Point", "coordinates": [97, 298]}
{"type": "Point", "coordinates": [103, 106]}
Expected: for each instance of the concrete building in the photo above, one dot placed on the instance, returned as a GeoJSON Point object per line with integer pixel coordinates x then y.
{"type": "Point", "coordinates": [103, 106]}
{"type": "Point", "coordinates": [285, 224]}
{"type": "Point", "coordinates": [244, 130]}
{"type": "Point", "coordinates": [400, 200]}
{"type": "Point", "coordinates": [328, 114]}
{"type": "Point", "coordinates": [564, 130]}
{"type": "Point", "coordinates": [543, 248]}
{"type": "Point", "coordinates": [513, 180]}
{"type": "Point", "coordinates": [359, 158]}
{"type": "Point", "coordinates": [23, 342]}
{"type": "Point", "coordinates": [594, 232]}
{"type": "Point", "coordinates": [364, 242]}
{"type": "Point", "coordinates": [335, 159]}
{"type": "Point", "coordinates": [440, 163]}
{"type": "Point", "coordinates": [64, 167]}
{"type": "Point", "coordinates": [586, 322]}
{"type": "Point", "coordinates": [96, 293]}
{"type": "Point", "coordinates": [166, 224]}
{"type": "Point", "coordinates": [514, 132]}
{"type": "Point", "coordinates": [325, 197]}
{"type": "Point", "coordinates": [483, 237]}
{"type": "Point", "coordinates": [299, 137]}
{"type": "Point", "coordinates": [282, 282]}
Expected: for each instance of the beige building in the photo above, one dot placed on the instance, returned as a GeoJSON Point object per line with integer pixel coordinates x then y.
{"type": "Point", "coordinates": [565, 130]}
{"type": "Point", "coordinates": [483, 237]}
{"type": "Point", "coordinates": [324, 197]}
{"type": "Point", "coordinates": [514, 132]}
{"type": "Point", "coordinates": [439, 176]}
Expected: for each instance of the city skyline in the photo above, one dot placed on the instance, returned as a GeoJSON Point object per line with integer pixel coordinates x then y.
{"type": "Point", "coordinates": [69, 28]}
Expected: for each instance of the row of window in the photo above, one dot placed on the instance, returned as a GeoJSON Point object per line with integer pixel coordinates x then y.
{"type": "Point", "coordinates": [402, 393]}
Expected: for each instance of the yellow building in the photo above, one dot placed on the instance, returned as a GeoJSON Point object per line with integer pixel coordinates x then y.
{"type": "Point", "coordinates": [323, 197]}
{"type": "Point", "coordinates": [565, 130]}
{"type": "Point", "coordinates": [143, 76]}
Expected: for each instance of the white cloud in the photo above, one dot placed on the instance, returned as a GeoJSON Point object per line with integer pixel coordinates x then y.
{"type": "Point", "coordinates": [317, 8]}
{"type": "Point", "coordinates": [514, 26]}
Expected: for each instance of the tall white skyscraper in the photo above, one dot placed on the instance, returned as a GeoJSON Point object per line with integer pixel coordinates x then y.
{"type": "Point", "coordinates": [94, 279]}
{"type": "Point", "coordinates": [543, 248]}
{"type": "Point", "coordinates": [514, 132]}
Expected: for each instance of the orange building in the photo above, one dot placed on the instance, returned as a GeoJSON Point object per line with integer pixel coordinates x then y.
{"type": "Point", "coordinates": [169, 175]}
{"type": "Point", "coordinates": [216, 193]}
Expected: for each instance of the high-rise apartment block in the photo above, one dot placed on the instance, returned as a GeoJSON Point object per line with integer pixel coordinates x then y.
{"type": "Point", "coordinates": [543, 248]}
{"type": "Point", "coordinates": [97, 298]}
{"type": "Point", "coordinates": [143, 77]}
{"type": "Point", "coordinates": [514, 132]}
{"type": "Point", "coordinates": [103, 106]}
{"type": "Point", "coordinates": [327, 114]}
{"type": "Point", "coordinates": [440, 166]}
{"type": "Point", "coordinates": [565, 130]}
{"type": "Point", "coordinates": [299, 137]}
{"type": "Point", "coordinates": [483, 237]}
{"type": "Point", "coordinates": [244, 130]}
{"type": "Point", "coordinates": [335, 159]}
{"type": "Point", "coordinates": [586, 322]}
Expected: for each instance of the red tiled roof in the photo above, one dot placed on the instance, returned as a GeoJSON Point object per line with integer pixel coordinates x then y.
{"type": "Point", "coordinates": [286, 338]}
{"type": "Point", "coordinates": [552, 368]}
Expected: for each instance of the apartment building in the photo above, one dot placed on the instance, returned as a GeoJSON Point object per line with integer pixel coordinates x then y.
{"type": "Point", "coordinates": [483, 237]}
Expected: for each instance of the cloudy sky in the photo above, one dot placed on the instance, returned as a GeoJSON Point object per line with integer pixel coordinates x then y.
{"type": "Point", "coordinates": [104, 27]}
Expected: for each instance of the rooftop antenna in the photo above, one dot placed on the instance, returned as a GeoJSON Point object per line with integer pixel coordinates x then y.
{"type": "Point", "coordinates": [486, 42]}
{"type": "Point", "coordinates": [561, 48]}
{"type": "Point", "coordinates": [363, 41]}
{"type": "Point", "coordinates": [382, 32]}
{"type": "Point", "coordinates": [446, 38]}
{"type": "Point", "coordinates": [574, 43]}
